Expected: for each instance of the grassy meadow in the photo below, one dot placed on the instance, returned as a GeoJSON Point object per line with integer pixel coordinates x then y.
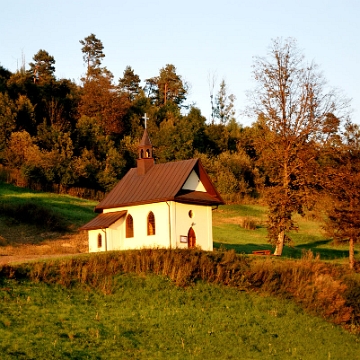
{"type": "Point", "coordinates": [171, 304]}
{"type": "Point", "coordinates": [229, 233]}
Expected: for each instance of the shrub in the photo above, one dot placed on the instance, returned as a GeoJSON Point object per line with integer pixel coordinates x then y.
{"type": "Point", "coordinates": [248, 223]}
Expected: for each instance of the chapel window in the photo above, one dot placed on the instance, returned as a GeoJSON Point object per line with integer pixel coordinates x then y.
{"type": "Point", "coordinates": [151, 224]}
{"type": "Point", "coordinates": [129, 226]}
{"type": "Point", "coordinates": [99, 240]}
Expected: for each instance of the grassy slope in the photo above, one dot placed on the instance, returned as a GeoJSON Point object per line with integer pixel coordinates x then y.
{"type": "Point", "coordinates": [75, 211]}
{"type": "Point", "coordinates": [149, 318]}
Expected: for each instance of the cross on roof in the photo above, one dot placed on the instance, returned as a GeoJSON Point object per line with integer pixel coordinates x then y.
{"type": "Point", "coordinates": [145, 119]}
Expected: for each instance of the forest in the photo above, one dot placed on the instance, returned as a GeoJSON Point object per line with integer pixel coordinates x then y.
{"type": "Point", "coordinates": [82, 138]}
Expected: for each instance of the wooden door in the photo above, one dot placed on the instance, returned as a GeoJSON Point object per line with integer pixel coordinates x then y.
{"type": "Point", "coordinates": [191, 238]}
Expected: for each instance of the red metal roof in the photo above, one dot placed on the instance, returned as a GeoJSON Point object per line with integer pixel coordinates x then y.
{"type": "Point", "coordinates": [103, 221]}
{"type": "Point", "coordinates": [162, 182]}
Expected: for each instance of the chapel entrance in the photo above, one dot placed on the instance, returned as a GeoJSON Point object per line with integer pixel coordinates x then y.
{"type": "Point", "coordinates": [191, 238]}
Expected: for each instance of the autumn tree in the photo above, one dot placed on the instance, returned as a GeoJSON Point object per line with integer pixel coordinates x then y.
{"type": "Point", "coordinates": [98, 164]}
{"type": "Point", "coordinates": [342, 183]}
{"type": "Point", "coordinates": [99, 98]}
{"type": "Point", "coordinates": [292, 104]}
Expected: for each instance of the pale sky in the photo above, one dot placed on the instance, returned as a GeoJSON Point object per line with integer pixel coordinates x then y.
{"type": "Point", "coordinates": [200, 38]}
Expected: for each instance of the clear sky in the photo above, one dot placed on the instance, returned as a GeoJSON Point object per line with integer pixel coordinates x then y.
{"type": "Point", "coordinates": [198, 37]}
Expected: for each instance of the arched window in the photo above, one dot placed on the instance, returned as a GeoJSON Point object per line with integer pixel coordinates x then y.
{"type": "Point", "coordinates": [147, 153]}
{"type": "Point", "coordinates": [151, 224]}
{"type": "Point", "coordinates": [129, 226]}
{"type": "Point", "coordinates": [141, 153]}
{"type": "Point", "coordinates": [99, 240]}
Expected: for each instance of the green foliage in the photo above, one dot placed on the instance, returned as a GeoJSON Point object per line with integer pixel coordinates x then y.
{"type": "Point", "coordinates": [7, 121]}
{"type": "Point", "coordinates": [167, 87]}
{"type": "Point", "coordinates": [42, 69]}
{"type": "Point", "coordinates": [92, 48]}
{"type": "Point", "coordinates": [130, 83]}
{"type": "Point", "coordinates": [224, 105]}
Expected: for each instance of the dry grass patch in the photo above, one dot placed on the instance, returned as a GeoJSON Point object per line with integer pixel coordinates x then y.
{"type": "Point", "coordinates": [62, 245]}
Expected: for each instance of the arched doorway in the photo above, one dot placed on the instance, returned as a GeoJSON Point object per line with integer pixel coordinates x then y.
{"type": "Point", "coordinates": [191, 238]}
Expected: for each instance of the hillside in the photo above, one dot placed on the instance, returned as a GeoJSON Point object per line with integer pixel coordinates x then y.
{"type": "Point", "coordinates": [34, 224]}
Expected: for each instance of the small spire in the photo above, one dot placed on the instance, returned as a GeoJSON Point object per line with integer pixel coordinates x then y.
{"type": "Point", "coordinates": [145, 160]}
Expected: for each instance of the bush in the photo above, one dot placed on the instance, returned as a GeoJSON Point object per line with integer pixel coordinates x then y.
{"type": "Point", "coordinates": [248, 223]}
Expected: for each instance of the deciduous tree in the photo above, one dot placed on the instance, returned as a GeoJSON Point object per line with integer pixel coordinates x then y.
{"type": "Point", "coordinates": [292, 104]}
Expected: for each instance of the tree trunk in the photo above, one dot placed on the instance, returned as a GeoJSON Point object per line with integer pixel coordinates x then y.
{"type": "Point", "coordinates": [351, 253]}
{"type": "Point", "coordinates": [280, 244]}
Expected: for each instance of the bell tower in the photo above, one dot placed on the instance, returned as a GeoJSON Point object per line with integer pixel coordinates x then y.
{"type": "Point", "coordinates": [145, 152]}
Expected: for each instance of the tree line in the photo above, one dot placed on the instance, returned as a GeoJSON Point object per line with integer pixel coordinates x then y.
{"type": "Point", "coordinates": [302, 146]}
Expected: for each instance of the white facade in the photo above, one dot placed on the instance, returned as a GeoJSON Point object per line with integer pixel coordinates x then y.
{"type": "Point", "coordinates": [173, 221]}
{"type": "Point", "coordinates": [172, 224]}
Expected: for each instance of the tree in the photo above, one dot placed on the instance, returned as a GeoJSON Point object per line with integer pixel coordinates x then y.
{"type": "Point", "coordinates": [167, 87]}
{"type": "Point", "coordinates": [7, 121]}
{"type": "Point", "coordinates": [129, 83]}
{"type": "Point", "coordinates": [4, 77]}
{"type": "Point", "coordinates": [99, 98]}
{"type": "Point", "coordinates": [292, 106]}
{"type": "Point", "coordinates": [343, 185]}
{"type": "Point", "coordinates": [224, 109]}
{"type": "Point", "coordinates": [93, 53]}
{"type": "Point", "coordinates": [42, 68]}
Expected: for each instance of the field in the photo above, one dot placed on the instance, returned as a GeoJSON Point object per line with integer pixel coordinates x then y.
{"type": "Point", "coordinates": [65, 309]}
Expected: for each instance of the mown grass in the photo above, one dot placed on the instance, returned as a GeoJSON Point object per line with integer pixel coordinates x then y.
{"type": "Point", "coordinates": [228, 233]}
{"type": "Point", "coordinates": [47, 221]}
{"type": "Point", "coordinates": [148, 317]}
{"type": "Point", "coordinates": [75, 210]}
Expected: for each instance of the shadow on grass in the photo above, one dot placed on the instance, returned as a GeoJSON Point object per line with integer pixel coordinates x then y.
{"type": "Point", "coordinates": [290, 252]}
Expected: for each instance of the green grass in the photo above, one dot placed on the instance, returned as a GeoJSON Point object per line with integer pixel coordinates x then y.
{"type": "Point", "coordinates": [67, 211]}
{"type": "Point", "coordinates": [228, 233]}
{"type": "Point", "coordinates": [150, 318]}
{"type": "Point", "coordinates": [77, 211]}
